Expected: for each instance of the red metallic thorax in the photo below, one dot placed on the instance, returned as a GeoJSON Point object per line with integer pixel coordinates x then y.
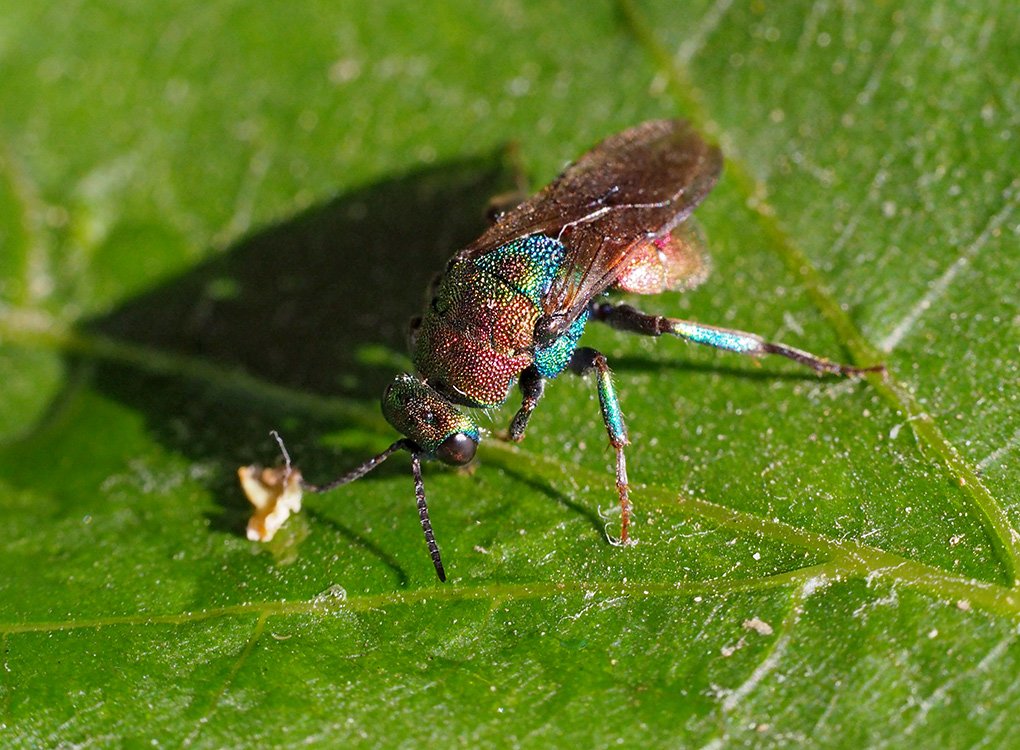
{"type": "Point", "coordinates": [476, 337]}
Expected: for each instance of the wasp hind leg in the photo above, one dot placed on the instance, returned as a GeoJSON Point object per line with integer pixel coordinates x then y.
{"type": "Point", "coordinates": [585, 360]}
{"type": "Point", "coordinates": [627, 318]}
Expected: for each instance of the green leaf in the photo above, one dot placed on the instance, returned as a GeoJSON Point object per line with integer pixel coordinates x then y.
{"type": "Point", "coordinates": [215, 220]}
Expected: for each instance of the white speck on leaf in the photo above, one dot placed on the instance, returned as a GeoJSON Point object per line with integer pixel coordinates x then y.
{"type": "Point", "coordinates": [758, 625]}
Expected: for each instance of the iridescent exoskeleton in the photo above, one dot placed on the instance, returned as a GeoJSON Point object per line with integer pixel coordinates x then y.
{"type": "Point", "coordinates": [512, 306]}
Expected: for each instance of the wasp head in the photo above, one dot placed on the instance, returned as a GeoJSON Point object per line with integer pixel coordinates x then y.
{"type": "Point", "coordinates": [424, 416]}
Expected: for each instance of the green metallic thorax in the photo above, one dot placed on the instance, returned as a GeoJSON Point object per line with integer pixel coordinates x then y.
{"type": "Point", "coordinates": [479, 332]}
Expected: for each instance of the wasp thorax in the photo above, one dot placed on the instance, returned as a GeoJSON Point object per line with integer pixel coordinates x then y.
{"type": "Point", "coordinates": [423, 415]}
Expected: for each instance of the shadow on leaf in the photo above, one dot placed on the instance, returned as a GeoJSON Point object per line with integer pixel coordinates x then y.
{"type": "Point", "coordinates": [318, 303]}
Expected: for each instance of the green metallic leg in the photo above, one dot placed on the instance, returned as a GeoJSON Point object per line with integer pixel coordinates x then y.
{"type": "Point", "coordinates": [532, 385]}
{"type": "Point", "coordinates": [585, 360]}
{"type": "Point", "coordinates": [627, 318]}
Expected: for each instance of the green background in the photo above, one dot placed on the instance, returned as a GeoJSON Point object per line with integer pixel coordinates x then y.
{"type": "Point", "coordinates": [216, 218]}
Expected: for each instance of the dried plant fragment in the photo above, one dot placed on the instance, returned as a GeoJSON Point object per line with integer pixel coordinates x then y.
{"type": "Point", "coordinates": [275, 493]}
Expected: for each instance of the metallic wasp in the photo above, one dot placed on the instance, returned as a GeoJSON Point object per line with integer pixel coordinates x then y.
{"type": "Point", "coordinates": [512, 306]}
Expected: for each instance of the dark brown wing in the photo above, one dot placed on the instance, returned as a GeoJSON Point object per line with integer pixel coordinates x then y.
{"type": "Point", "coordinates": [633, 186]}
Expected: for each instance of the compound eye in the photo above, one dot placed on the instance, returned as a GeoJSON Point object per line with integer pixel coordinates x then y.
{"type": "Point", "coordinates": [457, 450]}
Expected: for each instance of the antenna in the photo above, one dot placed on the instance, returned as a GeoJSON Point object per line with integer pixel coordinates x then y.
{"type": "Point", "coordinates": [367, 466]}
{"type": "Point", "coordinates": [423, 514]}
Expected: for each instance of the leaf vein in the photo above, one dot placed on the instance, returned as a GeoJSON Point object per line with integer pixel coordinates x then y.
{"type": "Point", "coordinates": [249, 646]}
{"type": "Point", "coordinates": [774, 654]}
{"type": "Point", "coordinates": [938, 288]}
{"type": "Point", "coordinates": [982, 503]}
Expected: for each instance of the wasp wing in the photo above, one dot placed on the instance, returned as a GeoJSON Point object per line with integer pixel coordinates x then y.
{"type": "Point", "coordinates": [676, 262]}
{"type": "Point", "coordinates": [632, 187]}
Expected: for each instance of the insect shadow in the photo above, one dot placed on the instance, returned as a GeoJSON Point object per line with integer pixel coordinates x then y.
{"type": "Point", "coordinates": [674, 362]}
{"type": "Point", "coordinates": [317, 303]}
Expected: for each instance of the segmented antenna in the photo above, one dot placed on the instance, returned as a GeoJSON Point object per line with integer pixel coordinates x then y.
{"type": "Point", "coordinates": [356, 473]}
{"type": "Point", "coordinates": [360, 471]}
{"type": "Point", "coordinates": [423, 514]}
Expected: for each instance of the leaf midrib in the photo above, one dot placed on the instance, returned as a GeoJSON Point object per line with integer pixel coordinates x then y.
{"type": "Point", "coordinates": [991, 598]}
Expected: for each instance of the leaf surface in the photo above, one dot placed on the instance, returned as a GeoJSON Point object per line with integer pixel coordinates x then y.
{"type": "Point", "coordinates": [215, 220]}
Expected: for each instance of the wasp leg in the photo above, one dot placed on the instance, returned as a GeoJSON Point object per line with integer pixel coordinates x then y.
{"type": "Point", "coordinates": [627, 318]}
{"type": "Point", "coordinates": [584, 360]}
{"type": "Point", "coordinates": [532, 386]}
